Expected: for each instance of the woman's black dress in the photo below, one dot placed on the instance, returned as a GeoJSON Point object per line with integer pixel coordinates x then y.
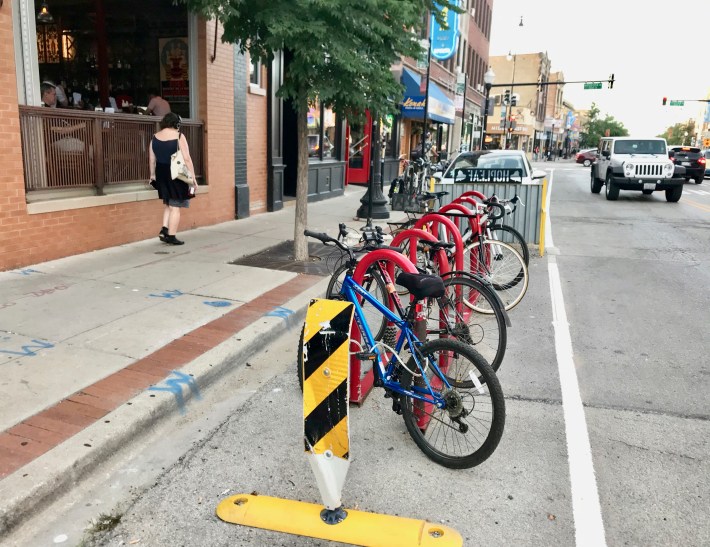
{"type": "Point", "coordinates": [169, 189]}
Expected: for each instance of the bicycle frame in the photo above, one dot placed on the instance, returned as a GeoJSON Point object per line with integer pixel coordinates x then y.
{"type": "Point", "coordinates": [351, 289]}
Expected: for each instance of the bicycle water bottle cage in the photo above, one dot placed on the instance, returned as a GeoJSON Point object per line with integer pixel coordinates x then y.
{"type": "Point", "coordinates": [422, 285]}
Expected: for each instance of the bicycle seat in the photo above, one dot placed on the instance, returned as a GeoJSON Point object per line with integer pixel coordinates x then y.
{"type": "Point", "coordinates": [422, 285]}
{"type": "Point", "coordinates": [441, 244]}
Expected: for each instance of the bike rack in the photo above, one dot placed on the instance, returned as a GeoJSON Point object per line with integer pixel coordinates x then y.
{"type": "Point", "coordinates": [465, 213]}
{"type": "Point", "coordinates": [433, 220]}
{"type": "Point", "coordinates": [360, 385]}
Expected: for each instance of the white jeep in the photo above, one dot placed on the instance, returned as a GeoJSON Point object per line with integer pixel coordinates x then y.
{"type": "Point", "coordinates": [626, 163]}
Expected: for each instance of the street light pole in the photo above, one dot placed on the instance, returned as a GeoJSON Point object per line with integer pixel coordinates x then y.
{"type": "Point", "coordinates": [510, 106]}
{"type": "Point", "coordinates": [488, 78]}
{"type": "Point", "coordinates": [463, 110]}
{"type": "Point", "coordinates": [426, 97]}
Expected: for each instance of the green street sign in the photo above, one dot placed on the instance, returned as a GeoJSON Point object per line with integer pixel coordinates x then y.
{"type": "Point", "coordinates": [677, 103]}
{"type": "Point", "coordinates": [592, 85]}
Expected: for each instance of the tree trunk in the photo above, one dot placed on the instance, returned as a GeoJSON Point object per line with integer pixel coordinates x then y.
{"type": "Point", "coordinates": [300, 245]}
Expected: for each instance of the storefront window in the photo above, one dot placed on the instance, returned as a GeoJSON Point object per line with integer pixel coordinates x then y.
{"type": "Point", "coordinates": [109, 58]}
{"type": "Point", "coordinates": [390, 130]}
{"type": "Point", "coordinates": [321, 132]}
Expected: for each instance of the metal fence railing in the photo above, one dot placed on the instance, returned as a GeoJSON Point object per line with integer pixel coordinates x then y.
{"type": "Point", "coordinates": [64, 149]}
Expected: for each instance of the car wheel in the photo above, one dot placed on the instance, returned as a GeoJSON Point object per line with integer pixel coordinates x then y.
{"type": "Point", "coordinates": [612, 192]}
{"type": "Point", "coordinates": [587, 163]}
{"type": "Point", "coordinates": [699, 180]}
{"type": "Point", "coordinates": [673, 195]}
{"type": "Point", "coordinates": [596, 184]}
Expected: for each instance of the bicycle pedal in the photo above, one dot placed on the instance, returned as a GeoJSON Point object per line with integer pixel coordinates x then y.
{"type": "Point", "coordinates": [397, 407]}
{"type": "Point", "coordinates": [365, 356]}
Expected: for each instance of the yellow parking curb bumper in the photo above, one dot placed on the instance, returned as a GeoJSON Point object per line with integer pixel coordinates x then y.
{"type": "Point", "coordinates": [358, 528]}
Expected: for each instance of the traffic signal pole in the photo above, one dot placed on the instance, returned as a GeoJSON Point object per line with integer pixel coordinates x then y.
{"type": "Point", "coordinates": [610, 81]}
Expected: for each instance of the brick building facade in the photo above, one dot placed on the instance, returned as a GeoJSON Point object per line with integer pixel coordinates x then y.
{"type": "Point", "coordinates": [68, 222]}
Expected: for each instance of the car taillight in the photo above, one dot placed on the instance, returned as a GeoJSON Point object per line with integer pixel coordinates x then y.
{"type": "Point", "coordinates": [701, 160]}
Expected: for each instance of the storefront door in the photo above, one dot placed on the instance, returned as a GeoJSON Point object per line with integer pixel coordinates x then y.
{"type": "Point", "coordinates": [358, 150]}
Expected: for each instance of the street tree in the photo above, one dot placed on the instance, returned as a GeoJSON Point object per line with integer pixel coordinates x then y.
{"type": "Point", "coordinates": [680, 133]}
{"type": "Point", "coordinates": [596, 127]}
{"type": "Point", "coordinates": [341, 53]}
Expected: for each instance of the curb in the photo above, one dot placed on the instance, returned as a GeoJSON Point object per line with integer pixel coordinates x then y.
{"type": "Point", "coordinates": [32, 487]}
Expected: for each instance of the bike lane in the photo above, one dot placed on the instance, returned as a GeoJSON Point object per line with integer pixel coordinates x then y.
{"type": "Point", "coordinates": [633, 275]}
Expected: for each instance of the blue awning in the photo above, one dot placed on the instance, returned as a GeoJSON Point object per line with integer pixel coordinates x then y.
{"type": "Point", "coordinates": [440, 108]}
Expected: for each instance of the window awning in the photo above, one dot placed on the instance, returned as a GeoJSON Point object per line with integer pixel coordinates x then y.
{"type": "Point", "coordinates": [440, 108]}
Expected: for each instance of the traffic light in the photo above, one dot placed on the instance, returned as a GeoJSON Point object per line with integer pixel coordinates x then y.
{"type": "Point", "coordinates": [506, 98]}
{"type": "Point", "coordinates": [513, 100]}
{"type": "Point", "coordinates": [611, 81]}
{"type": "Point", "coordinates": [665, 100]}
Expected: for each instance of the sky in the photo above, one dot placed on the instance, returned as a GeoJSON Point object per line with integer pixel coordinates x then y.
{"type": "Point", "coordinates": [655, 49]}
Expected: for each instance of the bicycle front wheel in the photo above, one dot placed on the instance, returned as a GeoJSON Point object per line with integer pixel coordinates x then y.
{"type": "Point", "coordinates": [511, 236]}
{"type": "Point", "coordinates": [502, 266]}
{"type": "Point", "coordinates": [468, 429]}
{"type": "Point", "coordinates": [473, 315]}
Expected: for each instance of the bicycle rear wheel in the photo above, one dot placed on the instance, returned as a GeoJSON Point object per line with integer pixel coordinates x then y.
{"type": "Point", "coordinates": [467, 431]}
{"type": "Point", "coordinates": [375, 285]}
{"type": "Point", "coordinates": [511, 236]}
{"type": "Point", "coordinates": [460, 310]}
{"type": "Point", "coordinates": [503, 266]}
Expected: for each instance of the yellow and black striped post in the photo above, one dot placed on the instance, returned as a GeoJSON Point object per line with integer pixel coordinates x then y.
{"type": "Point", "coordinates": [326, 345]}
{"type": "Point", "coordinates": [326, 341]}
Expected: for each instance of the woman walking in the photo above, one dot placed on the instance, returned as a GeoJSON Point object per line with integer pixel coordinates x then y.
{"type": "Point", "coordinates": [174, 192]}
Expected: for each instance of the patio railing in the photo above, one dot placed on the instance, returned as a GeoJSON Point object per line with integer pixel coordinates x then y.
{"type": "Point", "coordinates": [64, 149]}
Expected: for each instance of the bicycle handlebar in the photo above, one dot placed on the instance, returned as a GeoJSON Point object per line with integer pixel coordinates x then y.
{"type": "Point", "coordinates": [492, 206]}
{"type": "Point", "coordinates": [326, 239]}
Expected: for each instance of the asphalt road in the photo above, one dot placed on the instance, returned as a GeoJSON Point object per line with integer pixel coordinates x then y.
{"type": "Point", "coordinates": [633, 277]}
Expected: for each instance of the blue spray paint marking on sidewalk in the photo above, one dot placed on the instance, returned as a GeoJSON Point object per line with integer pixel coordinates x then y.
{"type": "Point", "coordinates": [218, 303]}
{"type": "Point", "coordinates": [168, 294]}
{"type": "Point", "coordinates": [26, 271]}
{"type": "Point", "coordinates": [28, 348]}
{"type": "Point", "coordinates": [278, 311]}
{"type": "Point", "coordinates": [174, 386]}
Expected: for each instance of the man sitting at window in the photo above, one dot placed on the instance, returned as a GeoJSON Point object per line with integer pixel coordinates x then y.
{"type": "Point", "coordinates": [157, 106]}
{"type": "Point", "coordinates": [49, 95]}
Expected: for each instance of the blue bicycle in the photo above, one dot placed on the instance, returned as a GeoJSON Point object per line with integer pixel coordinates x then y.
{"type": "Point", "coordinates": [448, 395]}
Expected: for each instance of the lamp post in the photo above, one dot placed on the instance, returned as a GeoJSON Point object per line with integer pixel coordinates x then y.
{"type": "Point", "coordinates": [373, 202]}
{"type": "Point", "coordinates": [488, 78]}
{"type": "Point", "coordinates": [464, 76]}
{"type": "Point", "coordinates": [512, 89]}
{"type": "Point", "coordinates": [427, 44]}
{"type": "Point", "coordinates": [514, 58]}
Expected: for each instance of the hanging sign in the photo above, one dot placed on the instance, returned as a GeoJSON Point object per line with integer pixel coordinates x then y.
{"type": "Point", "coordinates": [443, 37]}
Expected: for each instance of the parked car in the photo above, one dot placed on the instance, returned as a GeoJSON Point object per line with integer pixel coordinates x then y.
{"type": "Point", "coordinates": [707, 163]}
{"type": "Point", "coordinates": [506, 166]}
{"type": "Point", "coordinates": [692, 159]}
{"type": "Point", "coordinates": [626, 163]}
{"type": "Point", "coordinates": [587, 157]}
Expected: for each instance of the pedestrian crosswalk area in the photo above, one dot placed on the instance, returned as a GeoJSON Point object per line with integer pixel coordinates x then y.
{"type": "Point", "coordinates": [697, 192]}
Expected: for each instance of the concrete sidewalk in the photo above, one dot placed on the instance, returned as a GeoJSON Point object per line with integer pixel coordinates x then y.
{"type": "Point", "coordinates": [96, 347]}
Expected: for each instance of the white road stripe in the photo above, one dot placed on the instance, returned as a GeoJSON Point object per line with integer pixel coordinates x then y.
{"type": "Point", "coordinates": [586, 509]}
